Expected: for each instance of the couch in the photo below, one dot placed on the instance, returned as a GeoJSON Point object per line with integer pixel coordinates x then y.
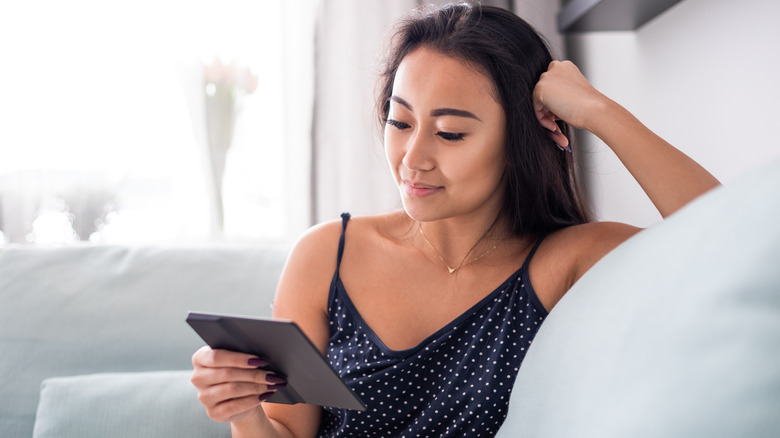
{"type": "Point", "coordinates": [94, 340]}
{"type": "Point", "coordinates": [676, 333]}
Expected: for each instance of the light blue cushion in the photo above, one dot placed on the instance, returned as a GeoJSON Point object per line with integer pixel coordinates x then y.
{"type": "Point", "coordinates": [153, 404]}
{"type": "Point", "coordinates": [676, 333]}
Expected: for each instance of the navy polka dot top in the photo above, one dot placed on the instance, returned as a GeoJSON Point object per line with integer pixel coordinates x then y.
{"type": "Point", "coordinates": [455, 383]}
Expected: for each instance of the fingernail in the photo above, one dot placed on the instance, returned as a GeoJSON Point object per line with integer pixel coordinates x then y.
{"type": "Point", "coordinates": [277, 386]}
{"type": "Point", "coordinates": [567, 149]}
{"type": "Point", "coordinates": [257, 362]}
{"type": "Point", "coordinates": [273, 378]}
{"type": "Point", "coordinates": [265, 396]}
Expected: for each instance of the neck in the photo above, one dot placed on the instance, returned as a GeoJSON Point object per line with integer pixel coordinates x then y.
{"type": "Point", "coordinates": [458, 244]}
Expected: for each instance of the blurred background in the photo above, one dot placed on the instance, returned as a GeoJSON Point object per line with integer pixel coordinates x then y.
{"type": "Point", "coordinates": [160, 121]}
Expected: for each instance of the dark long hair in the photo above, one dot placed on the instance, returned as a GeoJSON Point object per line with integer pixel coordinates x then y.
{"type": "Point", "coordinates": [542, 193]}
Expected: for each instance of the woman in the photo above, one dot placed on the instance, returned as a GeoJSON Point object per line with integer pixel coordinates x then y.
{"type": "Point", "coordinates": [427, 312]}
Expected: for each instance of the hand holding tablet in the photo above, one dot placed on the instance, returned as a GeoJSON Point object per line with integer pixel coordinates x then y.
{"type": "Point", "coordinates": [310, 379]}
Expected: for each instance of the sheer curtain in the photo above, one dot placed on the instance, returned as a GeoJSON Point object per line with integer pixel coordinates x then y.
{"type": "Point", "coordinates": [256, 134]}
{"type": "Point", "coordinates": [349, 171]}
{"type": "Point", "coordinates": [155, 120]}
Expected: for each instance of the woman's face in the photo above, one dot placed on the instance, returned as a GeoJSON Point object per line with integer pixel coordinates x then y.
{"type": "Point", "coordinates": [444, 138]}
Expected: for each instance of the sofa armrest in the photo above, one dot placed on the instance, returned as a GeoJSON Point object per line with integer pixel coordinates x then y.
{"type": "Point", "coordinates": [675, 333]}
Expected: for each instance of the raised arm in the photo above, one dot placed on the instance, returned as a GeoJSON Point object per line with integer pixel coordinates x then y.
{"type": "Point", "coordinates": [669, 178]}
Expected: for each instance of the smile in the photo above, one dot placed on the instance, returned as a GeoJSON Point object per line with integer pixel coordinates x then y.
{"type": "Point", "coordinates": [419, 189]}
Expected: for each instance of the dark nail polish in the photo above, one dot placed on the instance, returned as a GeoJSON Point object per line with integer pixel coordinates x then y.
{"type": "Point", "coordinates": [277, 386]}
{"type": "Point", "coordinates": [273, 378]}
{"type": "Point", "coordinates": [265, 396]}
{"type": "Point", "coordinates": [257, 362]}
{"type": "Point", "coordinates": [567, 149]}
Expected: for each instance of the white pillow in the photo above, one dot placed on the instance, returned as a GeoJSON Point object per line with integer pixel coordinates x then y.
{"type": "Point", "coordinates": [676, 333]}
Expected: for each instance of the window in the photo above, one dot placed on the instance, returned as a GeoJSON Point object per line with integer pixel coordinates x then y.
{"type": "Point", "coordinates": [153, 121]}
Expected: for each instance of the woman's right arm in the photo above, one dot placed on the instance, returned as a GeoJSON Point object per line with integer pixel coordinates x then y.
{"type": "Point", "coordinates": [230, 387]}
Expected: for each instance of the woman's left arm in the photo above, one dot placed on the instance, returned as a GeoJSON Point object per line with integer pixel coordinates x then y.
{"type": "Point", "coordinates": [670, 178]}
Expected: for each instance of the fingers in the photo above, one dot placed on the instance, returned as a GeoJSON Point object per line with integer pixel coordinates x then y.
{"type": "Point", "coordinates": [553, 100]}
{"type": "Point", "coordinates": [560, 140]}
{"type": "Point", "coordinates": [564, 91]}
{"type": "Point", "coordinates": [217, 367]}
{"type": "Point", "coordinates": [544, 115]}
{"type": "Point", "coordinates": [204, 377]}
{"type": "Point", "coordinates": [546, 118]}
{"type": "Point", "coordinates": [230, 385]}
{"type": "Point", "coordinates": [230, 398]}
{"type": "Point", "coordinates": [208, 357]}
{"type": "Point", "coordinates": [548, 121]}
{"type": "Point", "coordinates": [234, 409]}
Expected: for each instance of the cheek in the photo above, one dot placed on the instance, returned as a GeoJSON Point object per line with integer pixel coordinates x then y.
{"type": "Point", "coordinates": [486, 165]}
{"type": "Point", "coordinates": [497, 161]}
{"type": "Point", "coordinates": [491, 172]}
{"type": "Point", "coordinates": [393, 150]}
{"type": "Point", "coordinates": [487, 179]}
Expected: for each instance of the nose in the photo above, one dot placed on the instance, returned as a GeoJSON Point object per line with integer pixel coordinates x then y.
{"type": "Point", "coordinates": [419, 153]}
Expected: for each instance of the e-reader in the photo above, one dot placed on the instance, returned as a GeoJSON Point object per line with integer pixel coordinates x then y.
{"type": "Point", "coordinates": [310, 379]}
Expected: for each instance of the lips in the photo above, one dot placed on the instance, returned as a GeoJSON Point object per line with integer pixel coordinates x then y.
{"type": "Point", "coordinates": [419, 189]}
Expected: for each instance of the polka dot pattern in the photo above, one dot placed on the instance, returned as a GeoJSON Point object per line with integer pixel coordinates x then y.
{"type": "Point", "coordinates": [455, 383]}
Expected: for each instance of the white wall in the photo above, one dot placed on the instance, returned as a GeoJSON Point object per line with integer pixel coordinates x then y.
{"type": "Point", "coordinates": [704, 76]}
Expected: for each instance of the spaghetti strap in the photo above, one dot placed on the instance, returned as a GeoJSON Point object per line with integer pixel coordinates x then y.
{"type": "Point", "coordinates": [335, 281]}
{"type": "Point", "coordinates": [344, 219]}
{"type": "Point", "coordinates": [531, 254]}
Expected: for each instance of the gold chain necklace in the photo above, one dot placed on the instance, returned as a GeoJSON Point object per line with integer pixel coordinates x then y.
{"type": "Point", "coordinates": [462, 262]}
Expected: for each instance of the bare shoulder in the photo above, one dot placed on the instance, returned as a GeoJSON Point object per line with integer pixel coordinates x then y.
{"type": "Point", "coordinates": [567, 254]}
{"type": "Point", "coordinates": [303, 288]}
{"type": "Point", "coordinates": [305, 282]}
{"type": "Point", "coordinates": [313, 244]}
{"type": "Point", "coordinates": [588, 243]}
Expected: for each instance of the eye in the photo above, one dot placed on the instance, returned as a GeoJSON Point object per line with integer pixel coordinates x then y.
{"type": "Point", "coordinates": [450, 136]}
{"type": "Point", "coordinates": [398, 125]}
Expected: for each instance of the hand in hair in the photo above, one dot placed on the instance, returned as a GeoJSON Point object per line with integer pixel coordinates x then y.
{"type": "Point", "coordinates": [669, 177]}
{"type": "Point", "coordinates": [563, 93]}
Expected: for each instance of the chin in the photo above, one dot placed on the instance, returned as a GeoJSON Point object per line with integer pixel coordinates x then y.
{"type": "Point", "coordinates": [422, 213]}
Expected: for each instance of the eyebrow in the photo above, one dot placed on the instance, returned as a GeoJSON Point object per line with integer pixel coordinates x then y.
{"type": "Point", "coordinates": [440, 111]}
